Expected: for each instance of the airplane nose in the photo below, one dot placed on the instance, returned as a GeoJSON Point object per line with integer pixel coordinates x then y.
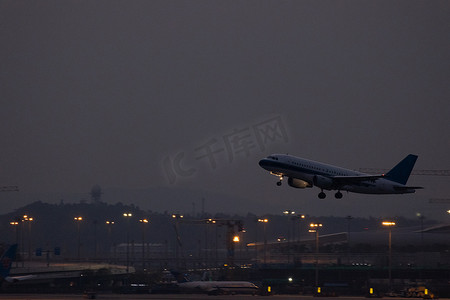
{"type": "Point", "coordinates": [262, 163]}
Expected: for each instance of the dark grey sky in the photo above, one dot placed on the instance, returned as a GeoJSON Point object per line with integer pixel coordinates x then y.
{"type": "Point", "coordinates": [108, 92]}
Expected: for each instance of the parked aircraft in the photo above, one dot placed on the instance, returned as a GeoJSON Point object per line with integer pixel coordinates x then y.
{"type": "Point", "coordinates": [213, 287]}
{"type": "Point", "coordinates": [304, 173]}
{"type": "Point", "coordinates": [5, 266]}
{"type": "Point", "coordinates": [219, 287]}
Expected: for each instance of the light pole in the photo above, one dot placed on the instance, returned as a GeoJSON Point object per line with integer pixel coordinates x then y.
{"type": "Point", "coordinates": [15, 225]}
{"type": "Point", "coordinates": [289, 213]}
{"type": "Point", "coordinates": [389, 225]}
{"type": "Point", "coordinates": [144, 222]}
{"type": "Point", "coordinates": [78, 221]}
{"type": "Point", "coordinates": [109, 225]}
{"type": "Point", "coordinates": [28, 219]}
{"type": "Point", "coordinates": [95, 239]}
{"type": "Point", "coordinates": [314, 227]}
{"type": "Point", "coordinates": [127, 217]}
{"type": "Point", "coordinates": [299, 217]}
{"type": "Point", "coordinates": [264, 222]}
{"type": "Point", "coordinates": [209, 222]}
{"type": "Point", "coordinates": [348, 218]}
{"type": "Point", "coordinates": [178, 244]}
{"type": "Point", "coordinates": [421, 218]}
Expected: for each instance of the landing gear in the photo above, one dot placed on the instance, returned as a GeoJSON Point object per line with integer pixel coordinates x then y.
{"type": "Point", "coordinates": [338, 195]}
{"type": "Point", "coordinates": [279, 182]}
{"type": "Point", "coordinates": [322, 195]}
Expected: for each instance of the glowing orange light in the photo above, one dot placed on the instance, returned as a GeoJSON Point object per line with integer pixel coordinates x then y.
{"type": "Point", "coordinates": [388, 223]}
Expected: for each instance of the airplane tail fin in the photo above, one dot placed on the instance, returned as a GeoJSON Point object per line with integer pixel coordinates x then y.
{"type": "Point", "coordinates": [6, 260]}
{"type": "Point", "coordinates": [400, 173]}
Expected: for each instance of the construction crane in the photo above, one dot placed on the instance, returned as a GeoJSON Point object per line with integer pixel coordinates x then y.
{"type": "Point", "coordinates": [10, 188]}
{"type": "Point", "coordinates": [414, 172]}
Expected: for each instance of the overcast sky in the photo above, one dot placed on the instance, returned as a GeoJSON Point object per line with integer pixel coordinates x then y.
{"type": "Point", "coordinates": [191, 94]}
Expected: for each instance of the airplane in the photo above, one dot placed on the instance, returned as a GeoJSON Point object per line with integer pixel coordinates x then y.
{"type": "Point", "coordinates": [213, 287]}
{"type": "Point", "coordinates": [304, 173]}
{"type": "Point", "coordinates": [5, 266]}
{"type": "Point", "coordinates": [219, 287]}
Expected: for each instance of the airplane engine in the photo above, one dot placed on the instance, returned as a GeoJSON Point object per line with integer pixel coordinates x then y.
{"type": "Point", "coordinates": [298, 183]}
{"type": "Point", "coordinates": [323, 182]}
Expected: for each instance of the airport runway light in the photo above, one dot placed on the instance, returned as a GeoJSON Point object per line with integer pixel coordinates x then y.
{"type": "Point", "coordinates": [389, 224]}
{"type": "Point", "coordinates": [127, 215]}
{"type": "Point", "coordinates": [288, 212]}
{"type": "Point", "coordinates": [236, 239]}
{"type": "Point", "coordinates": [177, 216]}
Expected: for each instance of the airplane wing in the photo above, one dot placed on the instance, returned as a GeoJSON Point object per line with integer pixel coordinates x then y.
{"type": "Point", "coordinates": [355, 179]}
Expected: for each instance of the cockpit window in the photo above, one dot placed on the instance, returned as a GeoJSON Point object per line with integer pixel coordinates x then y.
{"type": "Point", "coordinates": [273, 157]}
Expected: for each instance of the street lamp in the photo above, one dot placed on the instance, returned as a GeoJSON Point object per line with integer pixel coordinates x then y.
{"type": "Point", "coordinates": [177, 217]}
{"type": "Point", "coordinates": [28, 219]}
{"type": "Point", "coordinates": [109, 225]}
{"type": "Point", "coordinates": [78, 221]}
{"type": "Point", "coordinates": [143, 222]}
{"type": "Point", "coordinates": [127, 216]}
{"type": "Point", "coordinates": [300, 217]}
{"type": "Point", "coordinates": [389, 224]}
{"type": "Point", "coordinates": [264, 222]}
{"type": "Point", "coordinates": [289, 213]}
{"type": "Point", "coordinates": [15, 225]}
{"type": "Point", "coordinates": [314, 227]}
